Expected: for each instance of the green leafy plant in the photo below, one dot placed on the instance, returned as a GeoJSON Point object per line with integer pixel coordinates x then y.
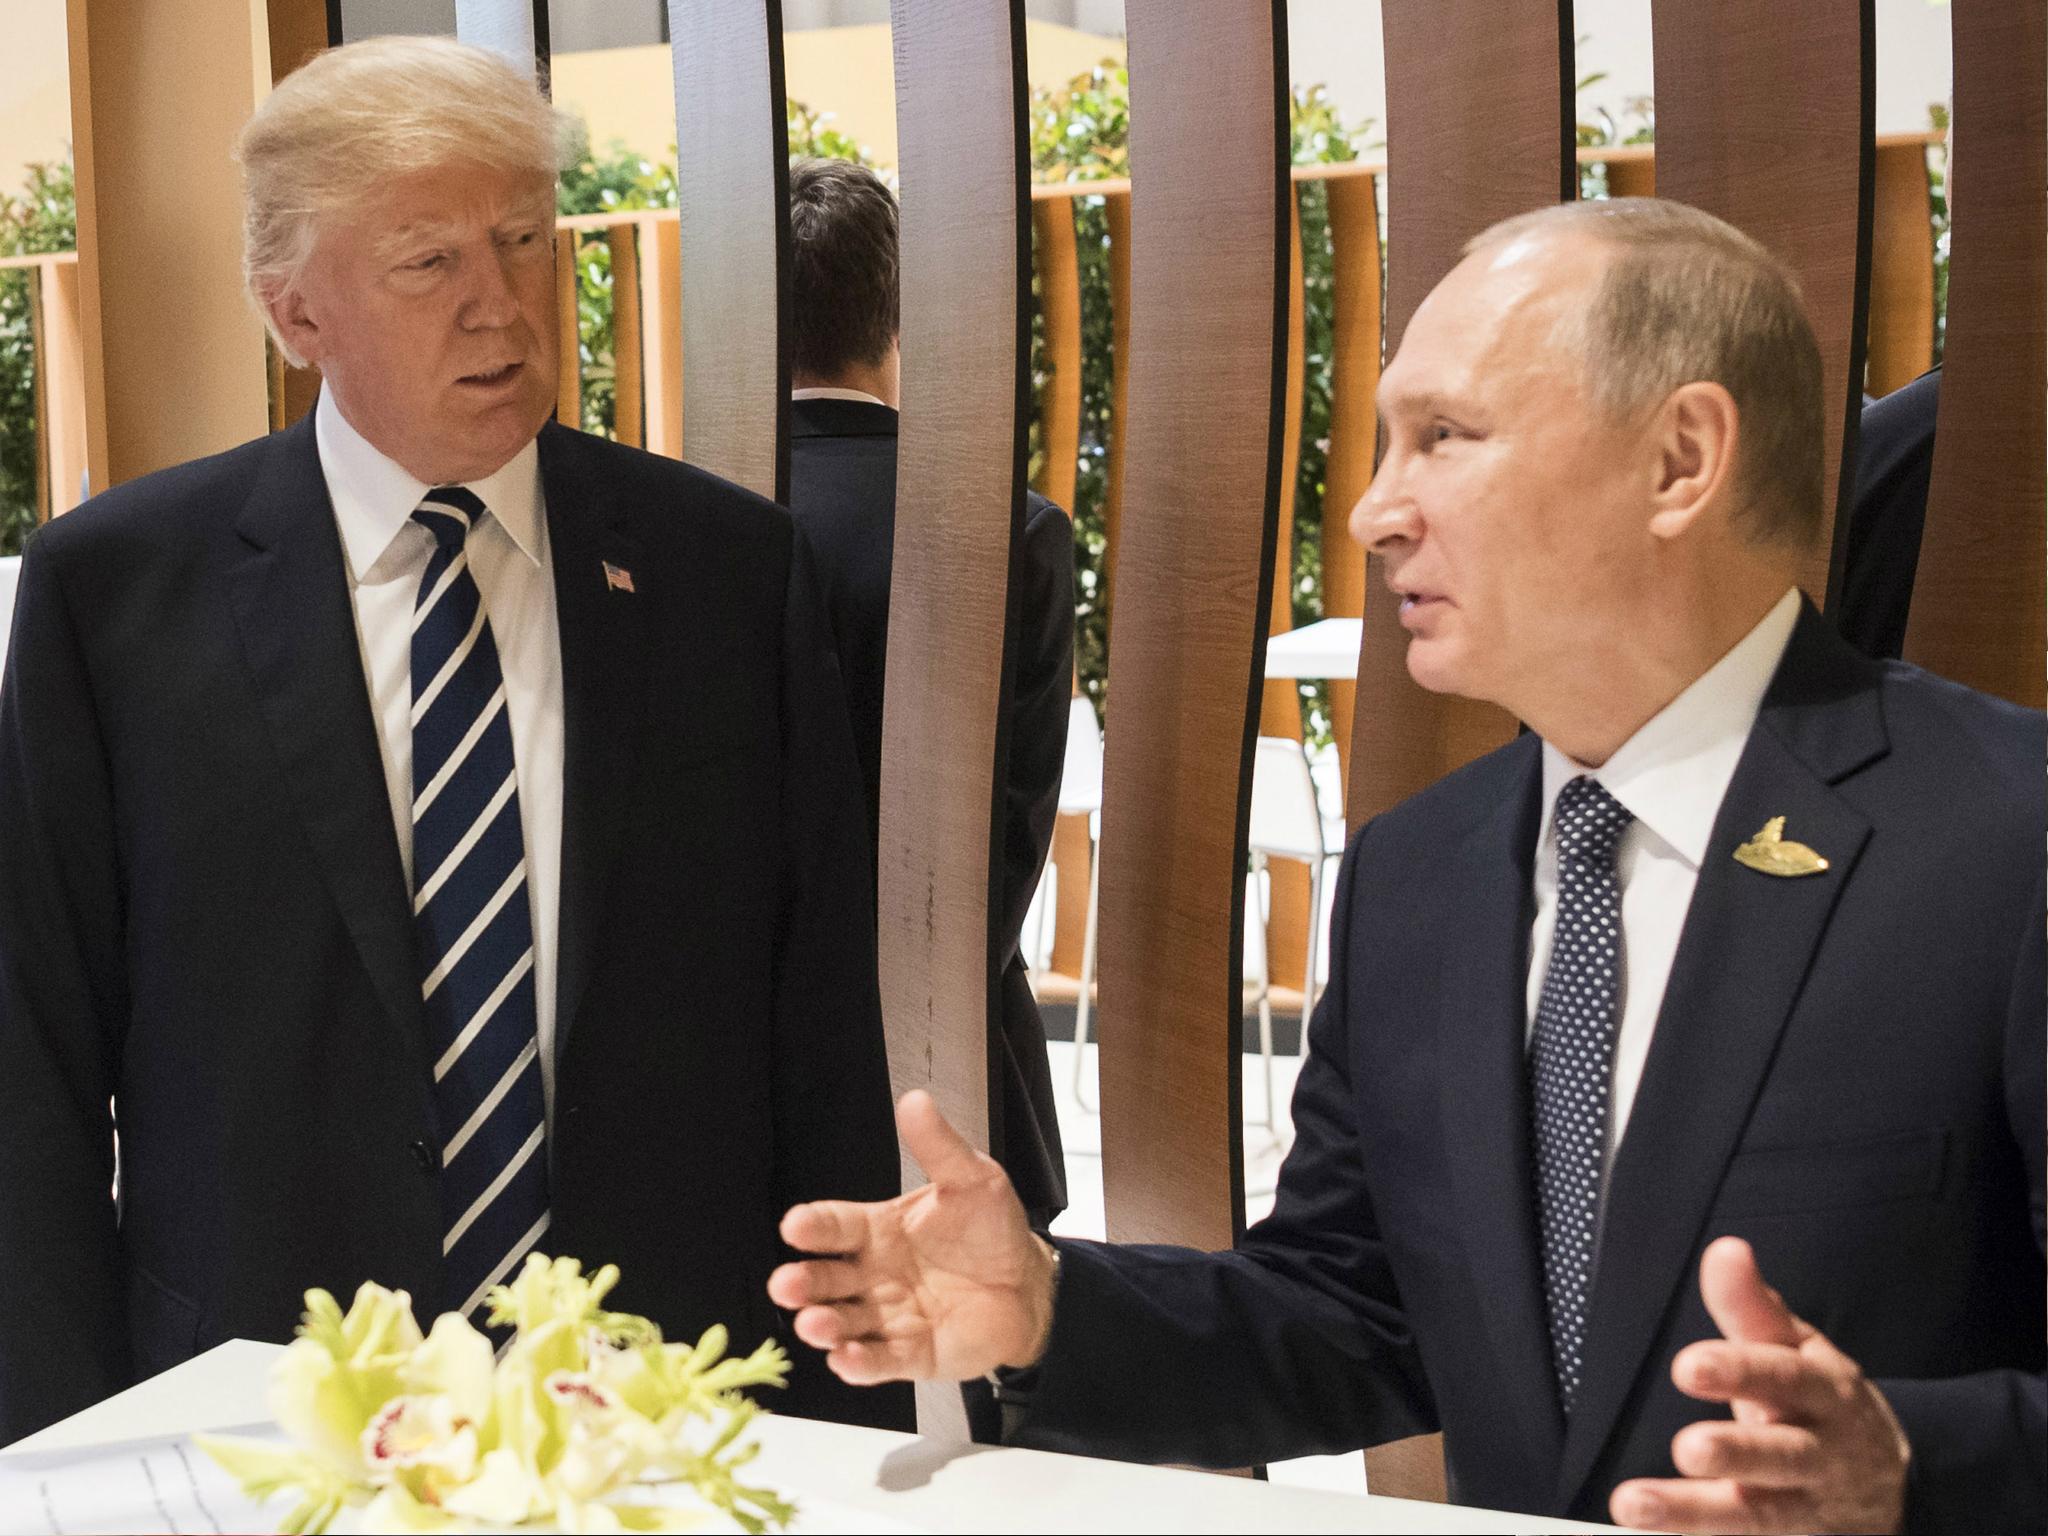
{"type": "Point", "coordinates": [40, 219]}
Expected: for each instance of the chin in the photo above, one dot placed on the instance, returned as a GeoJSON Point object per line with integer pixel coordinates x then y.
{"type": "Point", "coordinates": [1432, 667]}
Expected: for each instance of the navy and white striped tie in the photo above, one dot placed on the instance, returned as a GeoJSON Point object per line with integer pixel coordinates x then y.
{"type": "Point", "coordinates": [1571, 1060]}
{"type": "Point", "coordinates": [472, 923]}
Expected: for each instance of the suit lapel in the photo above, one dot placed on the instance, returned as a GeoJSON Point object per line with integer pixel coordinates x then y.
{"type": "Point", "coordinates": [1748, 943]}
{"type": "Point", "coordinates": [298, 637]}
{"type": "Point", "coordinates": [1485, 1099]}
{"type": "Point", "coordinates": [604, 636]}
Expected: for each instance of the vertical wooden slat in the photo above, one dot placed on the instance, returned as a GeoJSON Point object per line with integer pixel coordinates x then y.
{"type": "Point", "coordinates": [1901, 267]}
{"type": "Point", "coordinates": [37, 279]}
{"type": "Point", "coordinates": [60, 383]}
{"type": "Point", "coordinates": [158, 93]}
{"type": "Point", "coordinates": [1978, 596]}
{"type": "Point", "coordinates": [732, 190]}
{"type": "Point", "coordinates": [1056, 258]}
{"type": "Point", "coordinates": [1764, 119]}
{"type": "Point", "coordinates": [966, 264]}
{"type": "Point", "coordinates": [1116, 207]}
{"type": "Point", "coordinates": [297, 32]}
{"type": "Point", "coordinates": [661, 335]}
{"type": "Point", "coordinates": [1280, 704]}
{"type": "Point", "coordinates": [1354, 390]}
{"type": "Point", "coordinates": [516, 28]}
{"type": "Point", "coordinates": [1632, 174]}
{"type": "Point", "coordinates": [1203, 464]}
{"type": "Point", "coordinates": [1478, 128]}
{"type": "Point", "coordinates": [569, 378]}
{"type": "Point", "coordinates": [623, 242]}
{"type": "Point", "coordinates": [1059, 301]}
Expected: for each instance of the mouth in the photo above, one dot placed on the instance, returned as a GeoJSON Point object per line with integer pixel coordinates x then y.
{"type": "Point", "coordinates": [1417, 606]}
{"type": "Point", "coordinates": [495, 378]}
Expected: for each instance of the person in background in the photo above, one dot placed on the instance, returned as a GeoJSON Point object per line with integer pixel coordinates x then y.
{"type": "Point", "coordinates": [842, 493]}
{"type": "Point", "coordinates": [431, 834]}
{"type": "Point", "coordinates": [1671, 1132]}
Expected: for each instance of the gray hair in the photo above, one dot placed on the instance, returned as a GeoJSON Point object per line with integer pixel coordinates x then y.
{"type": "Point", "coordinates": [1688, 298]}
{"type": "Point", "coordinates": [355, 117]}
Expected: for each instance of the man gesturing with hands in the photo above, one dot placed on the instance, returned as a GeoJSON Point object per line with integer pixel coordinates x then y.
{"type": "Point", "coordinates": [1670, 1134]}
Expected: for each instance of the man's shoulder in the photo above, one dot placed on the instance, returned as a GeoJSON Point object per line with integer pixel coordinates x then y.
{"type": "Point", "coordinates": [1982, 752]}
{"type": "Point", "coordinates": [654, 483]}
{"type": "Point", "coordinates": [159, 509]}
{"type": "Point", "coordinates": [1459, 800]}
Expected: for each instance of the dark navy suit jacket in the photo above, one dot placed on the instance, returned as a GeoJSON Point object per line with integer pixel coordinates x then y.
{"type": "Point", "coordinates": [1847, 1071]}
{"type": "Point", "coordinates": [203, 918]}
{"type": "Point", "coordinates": [842, 493]}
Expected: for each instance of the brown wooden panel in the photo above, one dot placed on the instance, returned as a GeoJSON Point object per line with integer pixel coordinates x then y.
{"type": "Point", "coordinates": [1764, 118]}
{"type": "Point", "coordinates": [60, 385]}
{"type": "Point", "coordinates": [1354, 390]}
{"type": "Point", "coordinates": [1479, 127]}
{"type": "Point", "coordinates": [569, 377]}
{"type": "Point", "coordinates": [1202, 437]}
{"type": "Point", "coordinates": [623, 241]}
{"type": "Point", "coordinates": [1978, 597]}
{"type": "Point", "coordinates": [1280, 704]}
{"type": "Point", "coordinates": [1058, 268]}
{"type": "Point", "coordinates": [1116, 208]}
{"type": "Point", "coordinates": [1901, 344]}
{"type": "Point", "coordinates": [661, 335]}
{"type": "Point", "coordinates": [297, 32]}
{"type": "Point", "coordinates": [732, 192]}
{"type": "Point", "coordinates": [966, 265]}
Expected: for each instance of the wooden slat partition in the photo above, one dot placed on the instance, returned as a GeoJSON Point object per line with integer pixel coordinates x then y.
{"type": "Point", "coordinates": [661, 335]}
{"type": "Point", "coordinates": [60, 382]}
{"type": "Point", "coordinates": [1354, 389]}
{"type": "Point", "coordinates": [627, 405]}
{"type": "Point", "coordinates": [516, 28]}
{"type": "Point", "coordinates": [1978, 596]}
{"type": "Point", "coordinates": [966, 274]}
{"type": "Point", "coordinates": [1764, 118]}
{"type": "Point", "coordinates": [1901, 345]}
{"type": "Point", "coordinates": [1116, 208]}
{"type": "Point", "coordinates": [1478, 128]}
{"type": "Point", "coordinates": [569, 374]}
{"type": "Point", "coordinates": [732, 191]}
{"type": "Point", "coordinates": [1202, 473]}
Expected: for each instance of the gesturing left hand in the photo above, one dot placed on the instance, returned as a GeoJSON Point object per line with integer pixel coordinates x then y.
{"type": "Point", "coordinates": [1813, 1445]}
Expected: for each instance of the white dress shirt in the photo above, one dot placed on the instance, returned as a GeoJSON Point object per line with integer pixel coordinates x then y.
{"type": "Point", "coordinates": [1672, 776]}
{"type": "Point", "coordinates": [833, 392]}
{"type": "Point", "coordinates": [386, 555]}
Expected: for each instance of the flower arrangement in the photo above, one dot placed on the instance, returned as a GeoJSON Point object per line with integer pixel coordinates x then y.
{"type": "Point", "coordinates": [589, 1421]}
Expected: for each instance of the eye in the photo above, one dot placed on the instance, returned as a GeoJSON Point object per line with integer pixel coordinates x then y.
{"type": "Point", "coordinates": [428, 262]}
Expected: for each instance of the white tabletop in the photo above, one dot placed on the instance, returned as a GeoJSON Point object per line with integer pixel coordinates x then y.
{"type": "Point", "coordinates": [1326, 648]}
{"type": "Point", "coordinates": [864, 1478]}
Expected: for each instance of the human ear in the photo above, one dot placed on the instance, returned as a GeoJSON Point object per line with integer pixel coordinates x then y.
{"type": "Point", "coordinates": [293, 320]}
{"type": "Point", "coordinates": [1695, 434]}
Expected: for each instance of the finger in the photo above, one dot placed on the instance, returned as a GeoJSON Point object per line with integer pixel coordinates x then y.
{"type": "Point", "coordinates": [1761, 1455]}
{"type": "Point", "coordinates": [828, 1327]}
{"type": "Point", "coordinates": [942, 1152]}
{"type": "Point", "coordinates": [1739, 1302]}
{"type": "Point", "coordinates": [865, 1362]}
{"type": "Point", "coordinates": [815, 1282]}
{"type": "Point", "coordinates": [1779, 1380]}
{"type": "Point", "coordinates": [826, 1226]}
{"type": "Point", "coordinates": [1719, 1505]}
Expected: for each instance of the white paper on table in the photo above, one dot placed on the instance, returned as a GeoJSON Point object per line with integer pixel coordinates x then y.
{"type": "Point", "coordinates": [172, 1488]}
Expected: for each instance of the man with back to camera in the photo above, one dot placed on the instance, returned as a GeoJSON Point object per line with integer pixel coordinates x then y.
{"type": "Point", "coordinates": [845, 370]}
{"type": "Point", "coordinates": [435, 831]}
{"type": "Point", "coordinates": [1731, 969]}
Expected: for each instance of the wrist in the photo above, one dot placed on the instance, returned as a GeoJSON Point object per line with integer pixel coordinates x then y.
{"type": "Point", "coordinates": [1041, 1290]}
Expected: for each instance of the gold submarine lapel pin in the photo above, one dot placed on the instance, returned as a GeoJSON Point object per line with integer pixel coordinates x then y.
{"type": "Point", "coordinates": [1770, 852]}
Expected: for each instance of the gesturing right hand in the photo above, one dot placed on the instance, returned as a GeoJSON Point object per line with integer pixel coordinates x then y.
{"type": "Point", "coordinates": [942, 1284]}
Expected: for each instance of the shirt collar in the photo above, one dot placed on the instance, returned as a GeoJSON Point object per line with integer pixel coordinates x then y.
{"type": "Point", "coordinates": [825, 392]}
{"type": "Point", "coordinates": [374, 498]}
{"type": "Point", "coordinates": [1674, 772]}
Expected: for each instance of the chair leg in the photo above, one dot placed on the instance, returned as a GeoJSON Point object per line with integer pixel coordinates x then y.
{"type": "Point", "coordinates": [1083, 1004]}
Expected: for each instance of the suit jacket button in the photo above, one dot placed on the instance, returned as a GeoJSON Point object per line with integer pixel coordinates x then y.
{"type": "Point", "coordinates": [428, 1159]}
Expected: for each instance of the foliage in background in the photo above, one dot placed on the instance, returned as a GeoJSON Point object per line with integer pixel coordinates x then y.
{"type": "Point", "coordinates": [1937, 196]}
{"type": "Point", "coordinates": [621, 181]}
{"type": "Point", "coordinates": [1081, 133]}
{"type": "Point", "coordinates": [41, 219]}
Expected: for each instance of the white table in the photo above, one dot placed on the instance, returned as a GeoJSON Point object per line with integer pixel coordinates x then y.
{"type": "Point", "coordinates": [1326, 648]}
{"type": "Point", "coordinates": [868, 1478]}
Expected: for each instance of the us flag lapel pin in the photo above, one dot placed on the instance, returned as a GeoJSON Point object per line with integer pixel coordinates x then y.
{"type": "Point", "coordinates": [617, 578]}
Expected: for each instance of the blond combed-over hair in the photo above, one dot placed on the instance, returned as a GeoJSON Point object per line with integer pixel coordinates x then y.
{"type": "Point", "coordinates": [1687, 298]}
{"type": "Point", "coordinates": [356, 117]}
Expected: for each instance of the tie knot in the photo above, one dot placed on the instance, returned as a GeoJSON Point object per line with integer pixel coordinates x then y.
{"type": "Point", "coordinates": [1589, 821]}
{"type": "Point", "coordinates": [448, 512]}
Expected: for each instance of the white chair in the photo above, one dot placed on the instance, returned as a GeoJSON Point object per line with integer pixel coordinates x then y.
{"type": "Point", "coordinates": [10, 576]}
{"type": "Point", "coordinates": [1286, 822]}
{"type": "Point", "coordinates": [1080, 795]}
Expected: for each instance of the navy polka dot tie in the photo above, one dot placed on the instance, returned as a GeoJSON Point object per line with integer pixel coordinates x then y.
{"type": "Point", "coordinates": [1571, 1061]}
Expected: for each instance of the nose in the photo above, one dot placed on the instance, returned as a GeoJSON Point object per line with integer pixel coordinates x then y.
{"type": "Point", "coordinates": [492, 303]}
{"type": "Point", "coordinates": [1386, 516]}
